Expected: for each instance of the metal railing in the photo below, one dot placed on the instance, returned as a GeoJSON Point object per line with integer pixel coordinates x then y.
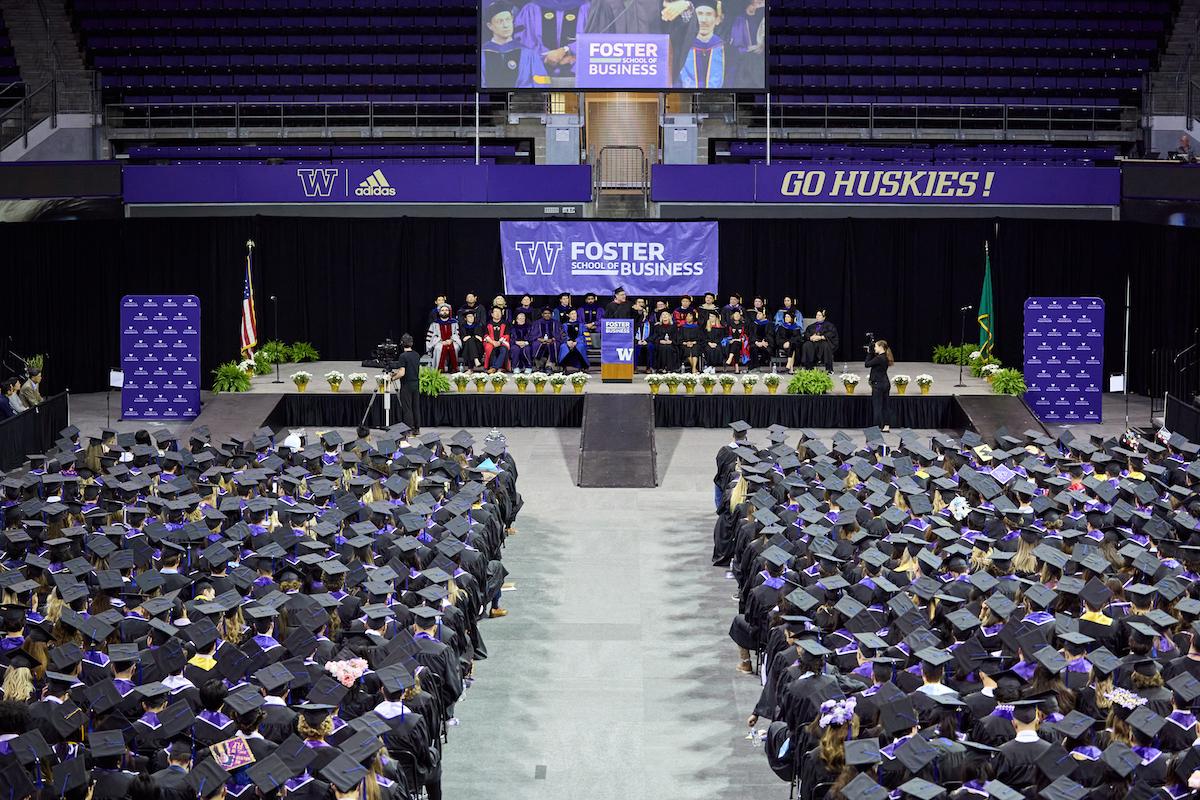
{"type": "Point", "coordinates": [281, 117]}
{"type": "Point", "coordinates": [871, 118]}
{"type": "Point", "coordinates": [1192, 109]}
{"type": "Point", "coordinates": [622, 169]}
{"type": "Point", "coordinates": [56, 96]}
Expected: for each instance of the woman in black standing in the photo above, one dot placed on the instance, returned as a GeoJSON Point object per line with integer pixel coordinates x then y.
{"type": "Point", "coordinates": [881, 384]}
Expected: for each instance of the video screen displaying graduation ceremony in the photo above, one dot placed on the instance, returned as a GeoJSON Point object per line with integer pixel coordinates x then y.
{"type": "Point", "coordinates": [605, 399]}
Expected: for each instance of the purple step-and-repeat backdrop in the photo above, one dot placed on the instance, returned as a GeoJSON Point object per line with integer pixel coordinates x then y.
{"type": "Point", "coordinates": [1064, 358]}
{"type": "Point", "coordinates": [160, 356]}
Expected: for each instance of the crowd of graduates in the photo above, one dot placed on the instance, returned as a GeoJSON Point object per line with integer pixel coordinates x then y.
{"type": "Point", "coordinates": [245, 618]}
{"type": "Point", "coordinates": [952, 617]}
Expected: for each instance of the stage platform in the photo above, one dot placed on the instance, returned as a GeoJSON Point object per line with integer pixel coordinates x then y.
{"type": "Point", "coordinates": [944, 378]}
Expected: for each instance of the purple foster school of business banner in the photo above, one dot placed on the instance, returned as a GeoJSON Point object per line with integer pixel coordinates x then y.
{"type": "Point", "coordinates": [160, 356]}
{"type": "Point", "coordinates": [623, 61]}
{"type": "Point", "coordinates": [1064, 358]}
{"type": "Point", "coordinates": [887, 185]}
{"type": "Point", "coordinates": [646, 258]}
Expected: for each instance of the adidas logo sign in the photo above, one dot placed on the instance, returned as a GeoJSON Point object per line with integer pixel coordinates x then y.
{"type": "Point", "coordinates": [375, 186]}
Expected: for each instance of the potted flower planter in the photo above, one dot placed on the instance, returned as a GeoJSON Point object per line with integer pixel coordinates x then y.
{"type": "Point", "coordinates": [849, 387]}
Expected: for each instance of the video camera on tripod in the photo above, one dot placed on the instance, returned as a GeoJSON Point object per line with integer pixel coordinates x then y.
{"type": "Point", "coordinates": [870, 342]}
{"type": "Point", "coordinates": [384, 356]}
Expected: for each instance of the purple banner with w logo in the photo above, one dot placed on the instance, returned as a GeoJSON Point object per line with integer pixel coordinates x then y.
{"type": "Point", "coordinates": [646, 258]}
{"type": "Point", "coordinates": [160, 356]}
{"type": "Point", "coordinates": [1064, 358]}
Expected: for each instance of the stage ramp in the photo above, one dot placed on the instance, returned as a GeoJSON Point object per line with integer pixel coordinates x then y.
{"type": "Point", "coordinates": [986, 414]}
{"type": "Point", "coordinates": [235, 414]}
{"type": "Point", "coordinates": [616, 448]}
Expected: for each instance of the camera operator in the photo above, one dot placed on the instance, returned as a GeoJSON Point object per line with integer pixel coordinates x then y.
{"type": "Point", "coordinates": [406, 377]}
{"type": "Point", "coordinates": [879, 358]}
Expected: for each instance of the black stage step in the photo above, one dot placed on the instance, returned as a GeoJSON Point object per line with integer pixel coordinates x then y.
{"type": "Point", "coordinates": [616, 446]}
{"type": "Point", "coordinates": [988, 413]}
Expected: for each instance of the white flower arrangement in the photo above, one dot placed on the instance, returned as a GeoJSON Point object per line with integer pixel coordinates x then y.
{"type": "Point", "coordinates": [989, 369]}
{"type": "Point", "coordinates": [924, 379]}
{"type": "Point", "coordinates": [480, 378]}
{"type": "Point", "coordinates": [901, 380]}
{"type": "Point", "coordinates": [689, 379]}
{"type": "Point", "coordinates": [246, 365]}
{"type": "Point", "coordinates": [558, 379]}
{"type": "Point", "coordinates": [521, 379]}
{"type": "Point", "coordinates": [499, 379]}
{"type": "Point", "coordinates": [539, 379]}
{"type": "Point", "coordinates": [708, 379]}
{"type": "Point", "coordinates": [333, 376]}
{"type": "Point", "coordinates": [381, 379]}
{"type": "Point", "coordinates": [672, 378]}
{"type": "Point", "coordinates": [727, 380]}
{"type": "Point", "coordinates": [771, 379]}
{"type": "Point", "coordinates": [654, 379]}
{"type": "Point", "coordinates": [357, 377]}
{"type": "Point", "coordinates": [301, 377]}
{"type": "Point", "coordinates": [849, 378]}
{"type": "Point", "coordinates": [975, 355]}
{"type": "Point", "coordinates": [749, 380]}
{"type": "Point", "coordinates": [580, 378]}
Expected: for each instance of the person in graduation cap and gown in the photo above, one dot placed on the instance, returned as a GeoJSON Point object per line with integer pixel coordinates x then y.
{"type": "Point", "coordinates": [506, 63]}
{"type": "Point", "coordinates": [705, 62]}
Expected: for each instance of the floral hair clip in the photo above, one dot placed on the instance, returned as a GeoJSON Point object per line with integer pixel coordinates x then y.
{"type": "Point", "coordinates": [837, 712]}
{"type": "Point", "coordinates": [1125, 698]}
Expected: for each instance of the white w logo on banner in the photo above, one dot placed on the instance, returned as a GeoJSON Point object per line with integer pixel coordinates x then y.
{"type": "Point", "coordinates": [538, 258]}
{"type": "Point", "coordinates": [625, 353]}
{"type": "Point", "coordinates": [317, 182]}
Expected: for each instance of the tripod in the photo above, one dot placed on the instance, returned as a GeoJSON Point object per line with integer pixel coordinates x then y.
{"type": "Point", "coordinates": [387, 405]}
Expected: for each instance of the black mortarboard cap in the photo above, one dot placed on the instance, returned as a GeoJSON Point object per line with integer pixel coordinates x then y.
{"type": "Point", "coordinates": [207, 778]}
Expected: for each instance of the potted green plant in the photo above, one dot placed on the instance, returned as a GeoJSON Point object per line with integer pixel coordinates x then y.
{"type": "Point", "coordinates": [925, 382]}
{"type": "Point", "coordinates": [480, 380]}
{"type": "Point", "coordinates": [727, 381]}
{"type": "Point", "coordinates": [580, 380]}
{"type": "Point", "coordinates": [460, 380]}
{"type": "Point", "coordinates": [303, 351]}
{"type": "Point", "coordinates": [522, 382]}
{"type": "Point", "coordinates": [557, 381]}
{"type": "Point", "coordinates": [748, 383]}
{"type": "Point", "coordinates": [274, 352]}
{"type": "Point", "coordinates": [849, 381]}
{"type": "Point", "coordinates": [230, 377]}
{"type": "Point", "coordinates": [432, 381]}
{"type": "Point", "coordinates": [301, 379]}
{"type": "Point", "coordinates": [1008, 381]}
{"type": "Point", "coordinates": [539, 381]}
{"type": "Point", "coordinates": [357, 380]}
{"type": "Point", "coordinates": [36, 361]}
{"type": "Point", "coordinates": [335, 379]}
{"type": "Point", "coordinates": [498, 381]}
{"type": "Point", "coordinates": [709, 382]}
{"type": "Point", "coordinates": [654, 381]}
{"type": "Point", "coordinates": [689, 380]}
{"type": "Point", "coordinates": [901, 383]}
{"type": "Point", "coordinates": [771, 381]}
{"type": "Point", "coordinates": [672, 380]}
{"type": "Point", "coordinates": [810, 381]}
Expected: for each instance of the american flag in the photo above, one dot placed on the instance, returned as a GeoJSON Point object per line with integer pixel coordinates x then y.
{"type": "Point", "coordinates": [249, 325]}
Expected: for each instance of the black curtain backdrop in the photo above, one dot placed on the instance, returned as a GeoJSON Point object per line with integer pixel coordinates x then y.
{"type": "Point", "coordinates": [506, 410]}
{"type": "Point", "coordinates": [345, 284]}
{"type": "Point", "coordinates": [829, 411]}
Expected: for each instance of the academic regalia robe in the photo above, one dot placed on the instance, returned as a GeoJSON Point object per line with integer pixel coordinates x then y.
{"type": "Point", "coordinates": [573, 356]}
{"type": "Point", "coordinates": [407, 742]}
{"type": "Point", "coordinates": [704, 65]}
{"type": "Point", "coordinates": [521, 355]}
{"type": "Point", "coordinates": [511, 66]}
{"type": "Point", "coordinates": [278, 723]}
{"type": "Point", "coordinates": [747, 65]}
{"type": "Point", "coordinates": [787, 339]}
{"type": "Point", "coordinates": [1017, 762]}
{"type": "Point", "coordinates": [111, 784]}
{"type": "Point", "coordinates": [822, 352]}
{"type": "Point", "coordinates": [690, 337]}
{"type": "Point", "coordinates": [714, 348]}
{"type": "Point", "coordinates": [545, 353]}
{"type": "Point", "coordinates": [441, 661]}
{"type": "Point", "coordinates": [496, 343]}
{"type": "Point", "coordinates": [470, 351]}
{"type": "Point", "coordinates": [666, 347]}
{"type": "Point", "coordinates": [736, 343]}
{"type": "Point", "coordinates": [545, 25]}
{"type": "Point", "coordinates": [445, 357]}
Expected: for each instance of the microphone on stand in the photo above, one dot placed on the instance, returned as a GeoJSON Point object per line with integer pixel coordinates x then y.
{"type": "Point", "coordinates": [964, 308]}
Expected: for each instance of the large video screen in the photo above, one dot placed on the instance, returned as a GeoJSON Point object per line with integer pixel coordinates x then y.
{"type": "Point", "coordinates": [663, 45]}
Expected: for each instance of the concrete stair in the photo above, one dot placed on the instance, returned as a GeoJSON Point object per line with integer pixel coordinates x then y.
{"type": "Point", "coordinates": [45, 46]}
{"type": "Point", "coordinates": [1169, 83]}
